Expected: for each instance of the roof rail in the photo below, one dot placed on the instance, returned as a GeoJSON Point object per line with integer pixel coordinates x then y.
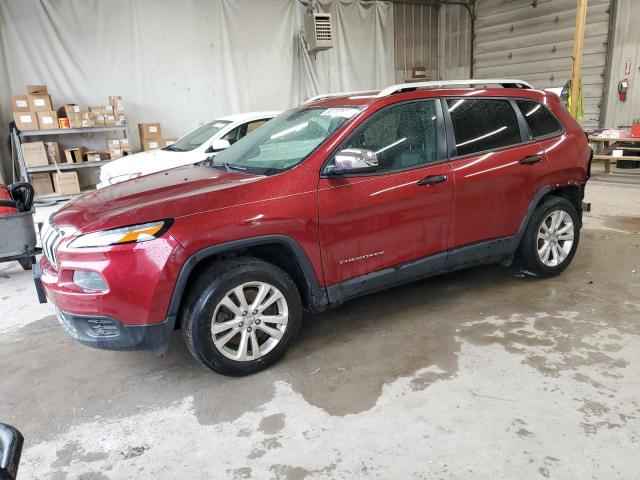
{"type": "Point", "coordinates": [401, 87]}
{"type": "Point", "coordinates": [504, 82]}
{"type": "Point", "coordinates": [337, 94]}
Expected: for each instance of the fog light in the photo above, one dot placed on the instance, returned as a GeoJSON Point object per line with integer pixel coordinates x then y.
{"type": "Point", "coordinates": [89, 280]}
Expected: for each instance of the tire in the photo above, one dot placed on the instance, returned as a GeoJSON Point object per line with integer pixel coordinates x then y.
{"type": "Point", "coordinates": [531, 255]}
{"type": "Point", "coordinates": [215, 294]}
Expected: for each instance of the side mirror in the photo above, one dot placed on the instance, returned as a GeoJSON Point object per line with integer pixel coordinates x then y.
{"type": "Point", "coordinates": [353, 160]}
{"type": "Point", "coordinates": [218, 145]}
{"type": "Point", "coordinates": [11, 441]}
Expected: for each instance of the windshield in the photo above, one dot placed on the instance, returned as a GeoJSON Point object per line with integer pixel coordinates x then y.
{"type": "Point", "coordinates": [285, 141]}
{"type": "Point", "coordinates": [198, 136]}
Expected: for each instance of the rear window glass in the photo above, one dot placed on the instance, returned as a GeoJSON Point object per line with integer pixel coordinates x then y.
{"type": "Point", "coordinates": [540, 120]}
{"type": "Point", "coordinates": [483, 124]}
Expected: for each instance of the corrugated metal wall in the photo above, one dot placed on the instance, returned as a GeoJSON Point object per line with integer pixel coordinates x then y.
{"type": "Point", "coordinates": [455, 42]}
{"type": "Point", "coordinates": [416, 39]}
{"type": "Point", "coordinates": [626, 47]}
{"type": "Point", "coordinates": [533, 40]}
{"type": "Point", "coordinates": [435, 37]}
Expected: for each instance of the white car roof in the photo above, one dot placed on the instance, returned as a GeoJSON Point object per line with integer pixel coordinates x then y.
{"type": "Point", "coordinates": [245, 117]}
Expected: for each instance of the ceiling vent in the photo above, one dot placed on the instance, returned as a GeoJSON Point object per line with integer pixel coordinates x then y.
{"type": "Point", "coordinates": [319, 32]}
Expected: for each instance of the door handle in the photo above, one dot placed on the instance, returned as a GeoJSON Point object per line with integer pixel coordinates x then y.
{"type": "Point", "coordinates": [432, 180]}
{"type": "Point", "coordinates": [531, 160]}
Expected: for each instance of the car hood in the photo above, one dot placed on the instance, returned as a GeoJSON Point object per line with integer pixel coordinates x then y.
{"type": "Point", "coordinates": [170, 194]}
{"type": "Point", "coordinates": [150, 162]}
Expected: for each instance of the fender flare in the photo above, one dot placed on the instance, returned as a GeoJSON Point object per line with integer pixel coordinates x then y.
{"type": "Point", "coordinates": [532, 207]}
{"type": "Point", "coordinates": [317, 295]}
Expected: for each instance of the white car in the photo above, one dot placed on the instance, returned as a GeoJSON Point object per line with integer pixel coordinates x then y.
{"type": "Point", "coordinates": [195, 146]}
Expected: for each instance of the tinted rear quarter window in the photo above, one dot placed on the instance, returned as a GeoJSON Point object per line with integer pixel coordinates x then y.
{"type": "Point", "coordinates": [541, 121]}
{"type": "Point", "coordinates": [483, 124]}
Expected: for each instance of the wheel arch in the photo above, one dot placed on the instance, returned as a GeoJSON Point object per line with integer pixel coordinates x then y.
{"type": "Point", "coordinates": [280, 250]}
{"type": "Point", "coordinates": [573, 193]}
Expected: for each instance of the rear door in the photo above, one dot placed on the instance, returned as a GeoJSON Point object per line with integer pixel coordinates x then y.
{"type": "Point", "coordinates": [397, 214]}
{"type": "Point", "coordinates": [497, 168]}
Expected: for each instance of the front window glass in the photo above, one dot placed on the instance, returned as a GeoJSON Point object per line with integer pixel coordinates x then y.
{"type": "Point", "coordinates": [401, 136]}
{"type": "Point", "coordinates": [285, 141]}
{"type": "Point", "coordinates": [197, 137]}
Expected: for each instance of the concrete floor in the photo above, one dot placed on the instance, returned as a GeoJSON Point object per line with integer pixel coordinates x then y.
{"type": "Point", "coordinates": [479, 374]}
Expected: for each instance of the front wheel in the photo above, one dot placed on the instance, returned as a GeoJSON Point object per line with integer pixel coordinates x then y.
{"type": "Point", "coordinates": [241, 316]}
{"type": "Point", "coordinates": [551, 238]}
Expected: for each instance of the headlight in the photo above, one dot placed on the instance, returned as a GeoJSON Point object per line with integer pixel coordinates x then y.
{"type": "Point", "coordinates": [119, 236]}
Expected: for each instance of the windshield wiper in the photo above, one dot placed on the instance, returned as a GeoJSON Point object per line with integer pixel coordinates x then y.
{"type": "Point", "coordinates": [231, 167]}
{"type": "Point", "coordinates": [171, 148]}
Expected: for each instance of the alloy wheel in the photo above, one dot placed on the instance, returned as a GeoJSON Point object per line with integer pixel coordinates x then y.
{"type": "Point", "coordinates": [249, 321]}
{"type": "Point", "coordinates": [555, 238]}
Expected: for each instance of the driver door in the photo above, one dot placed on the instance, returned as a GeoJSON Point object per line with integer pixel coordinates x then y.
{"type": "Point", "coordinates": [399, 213]}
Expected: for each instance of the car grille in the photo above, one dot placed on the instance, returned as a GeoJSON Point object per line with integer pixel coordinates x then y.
{"type": "Point", "coordinates": [50, 237]}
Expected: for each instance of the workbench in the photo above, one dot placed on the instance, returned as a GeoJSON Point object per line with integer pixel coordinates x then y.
{"type": "Point", "coordinates": [611, 144]}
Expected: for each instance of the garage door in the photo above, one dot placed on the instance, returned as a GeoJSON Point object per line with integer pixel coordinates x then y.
{"type": "Point", "coordinates": [533, 40]}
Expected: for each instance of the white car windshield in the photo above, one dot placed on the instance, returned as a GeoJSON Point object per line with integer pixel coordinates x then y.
{"type": "Point", "coordinates": [285, 141]}
{"type": "Point", "coordinates": [198, 136]}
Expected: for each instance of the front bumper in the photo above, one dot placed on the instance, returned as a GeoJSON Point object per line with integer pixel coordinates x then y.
{"type": "Point", "coordinates": [109, 334]}
{"type": "Point", "coordinates": [132, 313]}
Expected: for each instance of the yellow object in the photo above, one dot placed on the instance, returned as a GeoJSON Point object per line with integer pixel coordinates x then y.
{"type": "Point", "coordinates": [577, 111]}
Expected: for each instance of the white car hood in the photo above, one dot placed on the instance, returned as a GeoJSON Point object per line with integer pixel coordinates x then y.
{"type": "Point", "coordinates": [148, 162]}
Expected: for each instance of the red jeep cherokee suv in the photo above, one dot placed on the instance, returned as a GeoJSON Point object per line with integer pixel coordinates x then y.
{"type": "Point", "coordinates": [342, 196]}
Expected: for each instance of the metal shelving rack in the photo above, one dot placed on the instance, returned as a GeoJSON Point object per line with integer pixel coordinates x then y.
{"type": "Point", "coordinates": [16, 147]}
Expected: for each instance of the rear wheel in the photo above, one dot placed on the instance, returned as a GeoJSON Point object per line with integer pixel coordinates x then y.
{"type": "Point", "coordinates": [551, 238]}
{"type": "Point", "coordinates": [241, 316]}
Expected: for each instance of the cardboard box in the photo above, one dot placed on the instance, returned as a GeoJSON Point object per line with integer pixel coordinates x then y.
{"type": "Point", "coordinates": [41, 183]}
{"type": "Point", "coordinates": [66, 183]}
{"type": "Point", "coordinates": [113, 143]}
{"type": "Point", "coordinates": [121, 120]}
{"type": "Point", "coordinates": [151, 144]}
{"type": "Point", "coordinates": [34, 154]}
{"type": "Point", "coordinates": [39, 103]}
{"type": "Point", "coordinates": [75, 120]}
{"type": "Point", "coordinates": [95, 156]}
{"type": "Point", "coordinates": [98, 118]}
{"type": "Point", "coordinates": [109, 120]}
{"type": "Point", "coordinates": [19, 103]}
{"type": "Point", "coordinates": [74, 155]}
{"type": "Point", "coordinates": [37, 90]}
{"type": "Point", "coordinates": [124, 142]}
{"type": "Point", "coordinates": [47, 120]}
{"type": "Point", "coordinates": [69, 109]}
{"type": "Point", "coordinates": [169, 141]}
{"type": "Point", "coordinates": [117, 104]}
{"type": "Point", "coordinates": [26, 120]}
{"type": "Point", "coordinates": [53, 153]}
{"type": "Point", "coordinates": [87, 119]}
{"type": "Point", "coordinates": [115, 153]}
{"type": "Point", "coordinates": [149, 130]}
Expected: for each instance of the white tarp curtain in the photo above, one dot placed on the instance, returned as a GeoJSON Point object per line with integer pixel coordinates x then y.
{"type": "Point", "coordinates": [185, 62]}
